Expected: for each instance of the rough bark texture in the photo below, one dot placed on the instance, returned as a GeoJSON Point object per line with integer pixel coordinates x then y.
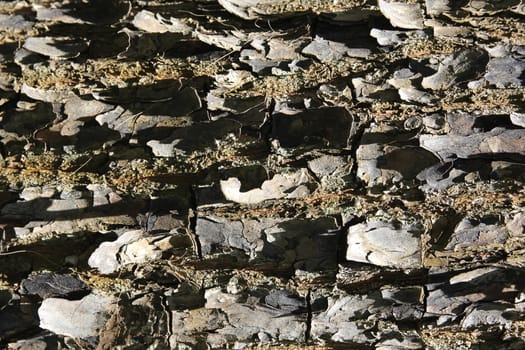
{"type": "Point", "coordinates": [262, 174]}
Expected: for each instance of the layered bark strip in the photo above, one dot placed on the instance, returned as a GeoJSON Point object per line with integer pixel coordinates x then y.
{"type": "Point", "coordinates": [241, 174]}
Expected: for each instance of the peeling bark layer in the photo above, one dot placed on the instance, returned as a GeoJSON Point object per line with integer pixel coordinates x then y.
{"type": "Point", "coordinates": [259, 173]}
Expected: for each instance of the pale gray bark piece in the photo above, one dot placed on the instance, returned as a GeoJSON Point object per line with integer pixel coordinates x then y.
{"type": "Point", "coordinates": [307, 245]}
{"type": "Point", "coordinates": [75, 318]}
{"type": "Point", "coordinates": [216, 232]}
{"type": "Point", "coordinates": [408, 342]}
{"type": "Point", "coordinates": [283, 50]}
{"type": "Point", "coordinates": [154, 23]}
{"type": "Point", "coordinates": [73, 226]}
{"type": "Point", "coordinates": [495, 142]}
{"type": "Point", "coordinates": [56, 47]}
{"type": "Point", "coordinates": [438, 177]}
{"type": "Point", "coordinates": [434, 121]}
{"type": "Point", "coordinates": [353, 332]}
{"type": "Point", "coordinates": [381, 243]}
{"type": "Point", "coordinates": [186, 326]}
{"type": "Point", "coordinates": [288, 185]}
{"type": "Point", "coordinates": [147, 21]}
{"type": "Point", "coordinates": [380, 161]}
{"type": "Point", "coordinates": [443, 30]}
{"type": "Point", "coordinates": [462, 66]}
{"type": "Point", "coordinates": [325, 50]}
{"type": "Point", "coordinates": [103, 195]}
{"type": "Point", "coordinates": [246, 9]}
{"type": "Point", "coordinates": [451, 292]}
{"type": "Point", "coordinates": [403, 78]}
{"type": "Point", "coordinates": [133, 123]}
{"type": "Point", "coordinates": [460, 123]}
{"type": "Point", "coordinates": [132, 247]}
{"type": "Point", "coordinates": [387, 37]}
{"type": "Point", "coordinates": [330, 51]}
{"type": "Point", "coordinates": [401, 14]}
{"type": "Point", "coordinates": [31, 193]}
{"type": "Point", "coordinates": [499, 50]}
{"type": "Point", "coordinates": [224, 41]}
{"type": "Point", "coordinates": [52, 96]}
{"type": "Point", "coordinates": [358, 52]}
{"type": "Point", "coordinates": [364, 89]}
{"type": "Point", "coordinates": [14, 22]}
{"type": "Point", "coordinates": [163, 149]}
{"type": "Point", "coordinates": [110, 117]}
{"type": "Point", "coordinates": [335, 95]}
{"type": "Point", "coordinates": [34, 343]}
{"type": "Point", "coordinates": [70, 127]}
{"type": "Point", "coordinates": [516, 226]}
{"type": "Point", "coordinates": [469, 235]}
{"type": "Point", "coordinates": [239, 8]}
{"type": "Point", "coordinates": [259, 66]}
{"type": "Point", "coordinates": [350, 318]}
{"type": "Point", "coordinates": [326, 165]}
{"type": "Point", "coordinates": [245, 324]}
{"type": "Point", "coordinates": [261, 9]}
{"type": "Point", "coordinates": [486, 314]}
{"type": "Point", "coordinates": [105, 257]}
{"type": "Point", "coordinates": [405, 295]}
{"type": "Point", "coordinates": [505, 72]}
{"type": "Point", "coordinates": [7, 80]}
{"type": "Point", "coordinates": [77, 108]}
{"type": "Point", "coordinates": [410, 94]}
{"type": "Point", "coordinates": [518, 119]}
{"type": "Point", "coordinates": [56, 15]}
{"type": "Point", "coordinates": [253, 319]}
{"type": "Point", "coordinates": [234, 79]}
{"type": "Point", "coordinates": [437, 7]}
{"type": "Point", "coordinates": [488, 7]}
